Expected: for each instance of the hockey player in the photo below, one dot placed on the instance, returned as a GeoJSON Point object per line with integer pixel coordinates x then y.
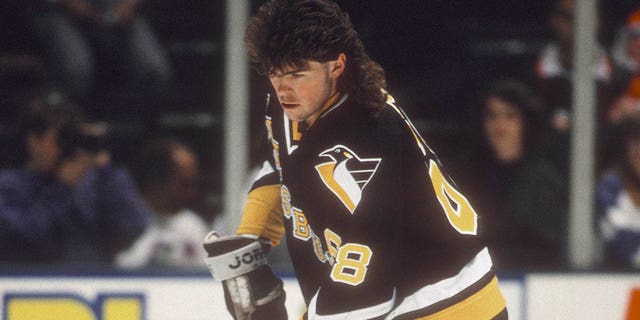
{"type": "Point", "coordinates": [374, 226]}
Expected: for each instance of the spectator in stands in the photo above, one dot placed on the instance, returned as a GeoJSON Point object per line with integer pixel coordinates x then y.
{"type": "Point", "coordinates": [618, 200]}
{"type": "Point", "coordinates": [554, 73]}
{"type": "Point", "coordinates": [167, 174]}
{"type": "Point", "coordinates": [626, 56]}
{"type": "Point", "coordinates": [521, 193]}
{"type": "Point", "coordinates": [77, 36]}
{"type": "Point", "coordinates": [67, 202]}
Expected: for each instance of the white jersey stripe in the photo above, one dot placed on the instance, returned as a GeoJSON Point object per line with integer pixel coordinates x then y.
{"type": "Point", "coordinates": [365, 313]}
{"type": "Point", "coordinates": [339, 103]}
{"type": "Point", "coordinates": [447, 288]}
{"type": "Point", "coordinates": [265, 170]}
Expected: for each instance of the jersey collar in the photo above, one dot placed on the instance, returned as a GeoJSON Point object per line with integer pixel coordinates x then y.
{"type": "Point", "coordinates": [335, 101]}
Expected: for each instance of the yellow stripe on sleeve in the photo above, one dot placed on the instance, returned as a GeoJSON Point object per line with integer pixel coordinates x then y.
{"type": "Point", "coordinates": [483, 305]}
{"type": "Point", "coordinates": [262, 214]}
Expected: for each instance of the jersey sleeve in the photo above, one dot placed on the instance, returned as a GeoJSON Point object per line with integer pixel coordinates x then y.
{"type": "Point", "coordinates": [262, 214]}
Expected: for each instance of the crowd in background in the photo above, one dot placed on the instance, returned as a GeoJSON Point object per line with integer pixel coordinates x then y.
{"type": "Point", "coordinates": [518, 169]}
{"type": "Point", "coordinates": [65, 201]}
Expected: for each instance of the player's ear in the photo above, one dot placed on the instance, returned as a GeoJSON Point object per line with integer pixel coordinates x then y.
{"type": "Point", "coordinates": [338, 65]}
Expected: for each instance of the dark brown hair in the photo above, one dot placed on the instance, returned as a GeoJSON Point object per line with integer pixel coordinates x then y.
{"type": "Point", "coordinates": [290, 32]}
{"type": "Point", "coordinates": [521, 97]}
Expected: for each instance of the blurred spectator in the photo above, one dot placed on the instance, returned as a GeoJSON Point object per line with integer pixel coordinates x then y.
{"type": "Point", "coordinates": [618, 200]}
{"type": "Point", "coordinates": [510, 185]}
{"type": "Point", "coordinates": [78, 36]}
{"type": "Point", "coordinates": [554, 72]}
{"type": "Point", "coordinates": [167, 173]}
{"type": "Point", "coordinates": [626, 55]}
{"type": "Point", "coordinates": [67, 202]}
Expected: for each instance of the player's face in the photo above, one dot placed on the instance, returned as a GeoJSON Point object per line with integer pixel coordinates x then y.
{"type": "Point", "coordinates": [302, 92]}
{"type": "Point", "coordinates": [503, 127]}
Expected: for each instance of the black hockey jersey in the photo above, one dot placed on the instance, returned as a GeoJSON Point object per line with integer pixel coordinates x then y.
{"type": "Point", "coordinates": [374, 226]}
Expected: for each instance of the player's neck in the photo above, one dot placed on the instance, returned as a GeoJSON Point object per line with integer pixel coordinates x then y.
{"type": "Point", "coordinates": [330, 102]}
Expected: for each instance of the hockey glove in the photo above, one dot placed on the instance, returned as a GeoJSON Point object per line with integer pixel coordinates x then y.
{"type": "Point", "coordinates": [251, 290]}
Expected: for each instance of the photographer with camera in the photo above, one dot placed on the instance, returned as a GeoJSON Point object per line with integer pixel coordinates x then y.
{"type": "Point", "coordinates": [66, 202]}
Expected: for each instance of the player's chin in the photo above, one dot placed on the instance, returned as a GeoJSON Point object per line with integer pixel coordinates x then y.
{"type": "Point", "coordinates": [294, 116]}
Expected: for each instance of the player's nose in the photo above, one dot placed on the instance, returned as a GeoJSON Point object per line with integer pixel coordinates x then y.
{"type": "Point", "coordinates": [281, 86]}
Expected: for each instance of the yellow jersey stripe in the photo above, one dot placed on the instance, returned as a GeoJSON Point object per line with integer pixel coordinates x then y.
{"type": "Point", "coordinates": [416, 135]}
{"type": "Point", "coordinates": [483, 305]}
{"type": "Point", "coordinates": [262, 214]}
{"type": "Point", "coordinates": [427, 296]}
{"type": "Point", "coordinates": [328, 104]}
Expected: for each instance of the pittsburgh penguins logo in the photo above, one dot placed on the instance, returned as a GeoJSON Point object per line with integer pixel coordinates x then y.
{"type": "Point", "coordinates": [346, 175]}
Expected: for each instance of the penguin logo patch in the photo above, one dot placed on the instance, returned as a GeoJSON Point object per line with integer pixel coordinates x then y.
{"type": "Point", "coordinates": [346, 175]}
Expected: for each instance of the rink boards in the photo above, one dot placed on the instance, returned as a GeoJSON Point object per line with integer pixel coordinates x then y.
{"type": "Point", "coordinates": [198, 297]}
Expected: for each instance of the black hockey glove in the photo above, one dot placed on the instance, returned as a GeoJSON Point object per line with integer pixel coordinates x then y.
{"type": "Point", "coordinates": [251, 290]}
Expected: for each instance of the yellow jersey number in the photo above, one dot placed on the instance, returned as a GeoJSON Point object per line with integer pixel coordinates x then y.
{"type": "Point", "coordinates": [350, 261]}
{"type": "Point", "coordinates": [462, 217]}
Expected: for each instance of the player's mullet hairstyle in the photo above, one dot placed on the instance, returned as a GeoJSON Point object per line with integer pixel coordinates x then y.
{"type": "Point", "coordinates": [286, 33]}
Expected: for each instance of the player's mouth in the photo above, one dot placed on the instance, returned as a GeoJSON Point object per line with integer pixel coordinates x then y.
{"type": "Point", "coordinates": [289, 105]}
